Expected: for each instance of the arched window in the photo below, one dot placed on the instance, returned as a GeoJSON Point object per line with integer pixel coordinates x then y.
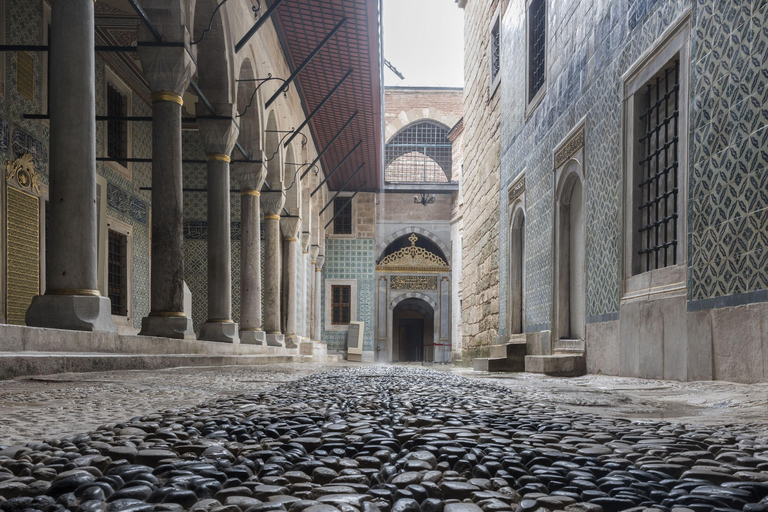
{"type": "Point", "coordinates": [420, 153]}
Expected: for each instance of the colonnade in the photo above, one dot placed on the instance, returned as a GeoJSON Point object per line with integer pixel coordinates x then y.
{"type": "Point", "coordinates": [72, 299]}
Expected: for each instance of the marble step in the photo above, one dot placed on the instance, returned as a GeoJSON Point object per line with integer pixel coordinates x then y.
{"type": "Point", "coordinates": [565, 346]}
{"type": "Point", "coordinates": [508, 350]}
{"type": "Point", "coordinates": [561, 365]}
{"type": "Point", "coordinates": [498, 364]}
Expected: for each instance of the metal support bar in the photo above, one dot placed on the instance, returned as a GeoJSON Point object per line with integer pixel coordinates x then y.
{"type": "Point", "coordinates": [309, 58]}
{"type": "Point", "coordinates": [338, 166]}
{"type": "Point", "coordinates": [345, 204]}
{"type": "Point", "coordinates": [149, 160]}
{"type": "Point", "coordinates": [146, 20]}
{"type": "Point", "coordinates": [248, 35]}
{"type": "Point", "coordinates": [45, 48]}
{"type": "Point", "coordinates": [317, 108]}
{"type": "Point", "coordinates": [328, 146]}
{"type": "Point", "coordinates": [342, 188]}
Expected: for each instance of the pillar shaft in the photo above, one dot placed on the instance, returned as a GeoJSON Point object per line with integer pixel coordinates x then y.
{"type": "Point", "coordinates": [318, 334]}
{"type": "Point", "coordinates": [291, 281]}
{"type": "Point", "coordinates": [219, 240]}
{"type": "Point", "coordinates": [272, 274]}
{"type": "Point", "coordinates": [72, 299]}
{"type": "Point", "coordinates": [167, 286]}
{"type": "Point", "coordinates": [250, 261]}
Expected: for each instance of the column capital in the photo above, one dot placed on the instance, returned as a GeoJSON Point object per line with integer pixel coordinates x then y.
{"type": "Point", "coordinates": [167, 68]}
{"type": "Point", "coordinates": [272, 202]}
{"type": "Point", "coordinates": [314, 250]}
{"type": "Point", "coordinates": [252, 176]}
{"type": "Point", "coordinates": [290, 226]}
{"type": "Point", "coordinates": [319, 262]}
{"type": "Point", "coordinates": [219, 135]}
{"type": "Point", "coordinates": [305, 239]}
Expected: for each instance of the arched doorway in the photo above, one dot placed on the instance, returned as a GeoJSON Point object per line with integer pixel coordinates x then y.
{"type": "Point", "coordinates": [516, 274]}
{"type": "Point", "coordinates": [570, 243]}
{"type": "Point", "coordinates": [413, 329]}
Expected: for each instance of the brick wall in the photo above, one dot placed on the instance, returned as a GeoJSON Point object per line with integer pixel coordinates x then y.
{"type": "Point", "coordinates": [480, 266]}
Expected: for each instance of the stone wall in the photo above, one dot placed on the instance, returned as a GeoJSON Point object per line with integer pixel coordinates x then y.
{"type": "Point", "coordinates": [480, 265]}
{"type": "Point", "coordinates": [405, 105]}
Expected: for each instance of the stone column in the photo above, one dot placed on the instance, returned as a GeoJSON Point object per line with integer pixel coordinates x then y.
{"type": "Point", "coordinates": [319, 261]}
{"type": "Point", "coordinates": [168, 69]}
{"type": "Point", "coordinates": [314, 296]}
{"type": "Point", "coordinates": [290, 226]}
{"type": "Point", "coordinates": [72, 300]}
{"type": "Point", "coordinates": [219, 137]}
{"type": "Point", "coordinates": [251, 178]}
{"type": "Point", "coordinates": [305, 285]}
{"type": "Point", "coordinates": [272, 203]}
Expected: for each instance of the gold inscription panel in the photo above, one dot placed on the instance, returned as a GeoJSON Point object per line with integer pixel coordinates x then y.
{"type": "Point", "coordinates": [25, 75]}
{"type": "Point", "coordinates": [23, 246]}
{"type": "Point", "coordinates": [413, 283]}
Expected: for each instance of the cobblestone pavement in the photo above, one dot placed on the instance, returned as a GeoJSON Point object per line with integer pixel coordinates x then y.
{"type": "Point", "coordinates": [385, 439]}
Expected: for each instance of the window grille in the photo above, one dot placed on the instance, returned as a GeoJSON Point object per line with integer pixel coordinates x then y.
{"type": "Point", "coordinates": [340, 304]}
{"type": "Point", "coordinates": [117, 255]}
{"type": "Point", "coordinates": [537, 19]}
{"type": "Point", "coordinates": [342, 224]}
{"type": "Point", "coordinates": [117, 130]}
{"type": "Point", "coordinates": [421, 153]}
{"type": "Point", "coordinates": [657, 170]}
{"type": "Point", "coordinates": [495, 51]}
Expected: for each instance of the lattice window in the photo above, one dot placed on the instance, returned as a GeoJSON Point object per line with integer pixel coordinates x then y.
{"type": "Point", "coordinates": [421, 153]}
{"type": "Point", "coordinates": [495, 48]}
{"type": "Point", "coordinates": [656, 172]}
{"type": "Point", "coordinates": [117, 130]}
{"type": "Point", "coordinates": [341, 304]}
{"type": "Point", "coordinates": [342, 210]}
{"type": "Point", "coordinates": [537, 30]}
{"type": "Point", "coordinates": [117, 261]}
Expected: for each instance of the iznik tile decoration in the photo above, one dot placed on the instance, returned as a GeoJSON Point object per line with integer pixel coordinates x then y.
{"type": "Point", "coordinates": [728, 181]}
{"type": "Point", "coordinates": [351, 259]}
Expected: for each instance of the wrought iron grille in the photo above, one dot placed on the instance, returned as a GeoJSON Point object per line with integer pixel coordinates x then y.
{"type": "Point", "coordinates": [495, 51]}
{"type": "Point", "coordinates": [340, 304]}
{"type": "Point", "coordinates": [117, 257]}
{"type": "Point", "coordinates": [421, 153]}
{"type": "Point", "coordinates": [117, 130]}
{"type": "Point", "coordinates": [342, 224]}
{"type": "Point", "coordinates": [658, 171]}
{"type": "Point", "coordinates": [537, 19]}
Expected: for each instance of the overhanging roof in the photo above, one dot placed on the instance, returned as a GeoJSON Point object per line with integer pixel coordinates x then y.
{"type": "Point", "coordinates": [302, 24]}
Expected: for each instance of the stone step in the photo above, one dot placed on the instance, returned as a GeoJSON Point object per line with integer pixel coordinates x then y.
{"type": "Point", "coordinates": [565, 346]}
{"type": "Point", "coordinates": [508, 350]}
{"type": "Point", "coordinates": [561, 365]}
{"type": "Point", "coordinates": [13, 365]}
{"type": "Point", "coordinates": [498, 364]}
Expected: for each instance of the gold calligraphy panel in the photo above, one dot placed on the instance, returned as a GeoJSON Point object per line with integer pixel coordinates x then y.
{"type": "Point", "coordinates": [413, 283]}
{"type": "Point", "coordinates": [25, 75]}
{"type": "Point", "coordinates": [23, 258]}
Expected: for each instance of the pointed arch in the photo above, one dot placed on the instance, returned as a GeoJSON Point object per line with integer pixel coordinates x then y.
{"type": "Point", "coordinates": [407, 231]}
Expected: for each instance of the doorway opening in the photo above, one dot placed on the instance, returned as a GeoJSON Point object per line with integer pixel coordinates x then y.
{"type": "Point", "coordinates": [413, 329]}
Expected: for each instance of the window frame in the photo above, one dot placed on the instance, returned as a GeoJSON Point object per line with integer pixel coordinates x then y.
{"type": "Point", "coordinates": [495, 27]}
{"type": "Point", "coordinates": [352, 206]}
{"type": "Point", "coordinates": [532, 102]}
{"type": "Point", "coordinates": [329, 284]}
{"type": "Point", "coordinates": [127, 231]}
{"type": "Point", "coordinates": [111, 78]}
{"type": "Point", "coordinates": [675, 43]}
{"type": "Point", "coordinates": [341, 304]}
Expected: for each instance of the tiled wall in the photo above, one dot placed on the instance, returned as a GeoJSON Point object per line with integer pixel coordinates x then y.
{"type": "Point", "coordinates": [347, 258]}
{"type": "Point", "coordinates": [590, 45]}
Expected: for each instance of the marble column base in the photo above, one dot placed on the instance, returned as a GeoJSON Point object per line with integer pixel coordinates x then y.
{"type": "Point", "coordinates": [275, 340]}
{"type": "Point", "coordinates": [222, 332]}
{"type": "Point", "coordinates": [177, 327]}
{"type": "Point", "coordinates": [253, 337]}
{"type": "Point", "coordinates": [292, 341]}
{"type": "Point", "coordinates": [71, 312]}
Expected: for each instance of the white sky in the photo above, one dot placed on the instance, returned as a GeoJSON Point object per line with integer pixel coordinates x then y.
{"type": "Point", "coordinates": [424, 40]}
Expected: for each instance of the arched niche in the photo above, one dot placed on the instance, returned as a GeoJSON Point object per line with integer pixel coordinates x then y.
{"type": "Point", "coordinates": [516, 269]}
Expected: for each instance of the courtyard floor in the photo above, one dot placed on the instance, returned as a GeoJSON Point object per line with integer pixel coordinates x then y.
{"type": "Point", "coordinates": [378, 438]}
